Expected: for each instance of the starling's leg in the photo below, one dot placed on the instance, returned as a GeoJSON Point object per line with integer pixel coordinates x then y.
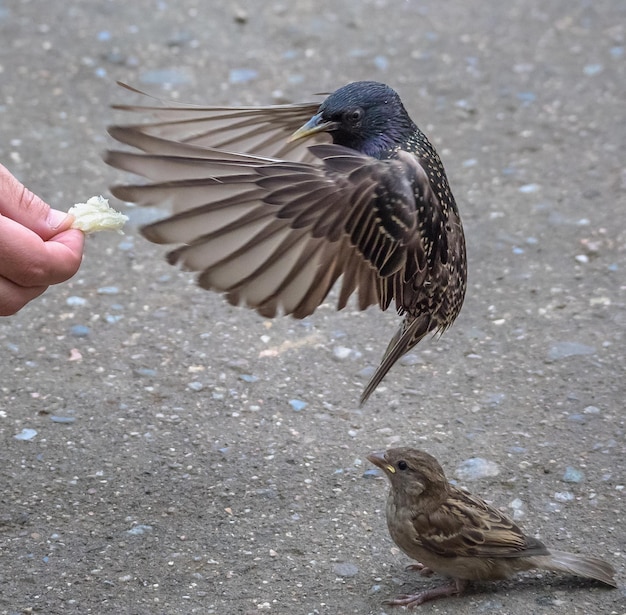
{"type": "Point", "coordinates": [425, 571]}
{"type": "Point", "coordinates": [411, 600]}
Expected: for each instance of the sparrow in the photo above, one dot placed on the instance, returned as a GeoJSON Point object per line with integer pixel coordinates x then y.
{"type": "Point", "coordinates": [272, 205]}
{"type": "Point", "coordinates": [459, 535]}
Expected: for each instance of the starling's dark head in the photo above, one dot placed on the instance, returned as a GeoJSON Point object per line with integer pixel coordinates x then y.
{"type": "Point", "coordinates": [366, 116]}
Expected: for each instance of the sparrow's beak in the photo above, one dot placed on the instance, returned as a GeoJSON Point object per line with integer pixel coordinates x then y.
{"type": "Point", "coordinates": [315, 125]}
{"type": "Point", "coordinates": [378, 459]}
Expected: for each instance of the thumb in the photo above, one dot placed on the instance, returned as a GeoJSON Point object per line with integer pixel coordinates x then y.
{"type": "Point", "coordinates": [27, 209]}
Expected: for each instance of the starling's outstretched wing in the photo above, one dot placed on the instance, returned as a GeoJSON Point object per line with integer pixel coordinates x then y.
{"type": "Point", "coordinates": [275, 234]}
{"type": "Point", "coordinates": [260, 131]}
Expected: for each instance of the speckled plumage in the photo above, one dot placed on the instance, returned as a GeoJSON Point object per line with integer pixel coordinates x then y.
{"type": "Point", "coordinates": [357, 193]}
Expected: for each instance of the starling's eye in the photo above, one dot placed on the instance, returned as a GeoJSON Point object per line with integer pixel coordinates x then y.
{"type": "Point", "coordinates": [354, 115]}
{"type": "Point", "coordinates": [403, 465]}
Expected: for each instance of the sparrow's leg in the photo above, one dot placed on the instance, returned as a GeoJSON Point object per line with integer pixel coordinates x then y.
{"type": "Point", "coordinates": [411, 600]}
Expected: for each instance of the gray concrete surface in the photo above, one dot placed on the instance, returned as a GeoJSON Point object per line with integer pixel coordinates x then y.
{"type": "Point", "coordinates": [185, 481]}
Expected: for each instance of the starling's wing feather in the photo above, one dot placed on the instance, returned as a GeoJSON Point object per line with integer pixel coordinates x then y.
{"type": "Point", "coordinates": [261, 131]}
{"type": "Point", "coordinates": [466, 526]}
{"type": "Point", "coordinates": [414, 293]}
{"type": "Point", "coordinates": [275, 235]}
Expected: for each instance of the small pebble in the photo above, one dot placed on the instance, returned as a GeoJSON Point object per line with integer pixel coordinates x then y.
{"type": "Point", "coordinates": [75, 301]}
{"type": "Point", "coordinates": [108, 290]}
{"type": "Point", "coordinates": [494, 399]}
{"type": "Point", "coordinates": [372, 473]}
{"type": "Point", "coordinates": [577, 418]}
{"type": "Point", "coordinates": [529, 188]}
{"type": "Point", "coordinates": [562, 350]}
{"type": "Point", "coordinates": [298, 404]}
{"type": "Point", "coordinates": [572, 475]}
{"type": "Point", "coordinates": [381, 62]}
{"type": "Point", "coordinates": [248, 377]}
{"type": "Point", "coordinates": [563, 496]}
{"type": "Point", "coordinates": [341, 353]}
{"type": "Point", "coordinates": [145, 371]}
{"type": "Point", "coordinates": [75, 355]}
{"type": "Point", "coordinates": [411, 359]}
{"type": "Point", "coordinates": [126, 244]}
{"type": "Point", "coordinates": [591, 410]}
{"type": "Point", "coordinates": [26, 434]}
{"type": "Point", "coordinates": [593, 69]}
{"type": "Point", "coordinates": [62, 419]}
{"type": "Point", "coordinates": [517, 450]}
{"type": "Point", "coordinates": [346, 569]}
{"type": "Point", "coordinates": [241, 16]}
{"type": "Point", "coordinates": [139, 529]}
{"type": "Point", "coordinates": [195, 386]}
{"type": "Point", "coordinates": [476, 468]}
{"type": "Point", "coordinates": [242, 75]}
{"type": "Point", "coordinates": [366, 372]}
{"type": "Point", "coordinates": [80, 331]}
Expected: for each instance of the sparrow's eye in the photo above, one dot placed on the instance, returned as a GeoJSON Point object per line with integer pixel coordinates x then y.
{"type": "Point", "coordinates": [403, 465]}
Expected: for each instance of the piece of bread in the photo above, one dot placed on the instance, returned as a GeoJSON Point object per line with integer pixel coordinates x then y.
{"type": "Point", "coordinates": [96, 215]}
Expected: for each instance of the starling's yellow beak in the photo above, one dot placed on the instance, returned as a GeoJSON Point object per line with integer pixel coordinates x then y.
{"type": "Point", "coordinates": [378, 459]}
{"type": "Point", "coordinates": [315, 125]}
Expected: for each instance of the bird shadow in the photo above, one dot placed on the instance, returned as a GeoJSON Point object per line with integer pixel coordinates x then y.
{"type": "Point", "coordinates": [543, 586]}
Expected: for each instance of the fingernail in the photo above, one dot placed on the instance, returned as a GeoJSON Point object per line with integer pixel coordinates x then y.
{"type": "Point", "coordinates": [56, 218]}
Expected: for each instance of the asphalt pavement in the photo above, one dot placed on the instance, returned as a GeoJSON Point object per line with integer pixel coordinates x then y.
{"type": "Point", "coordinates": [178, 455]}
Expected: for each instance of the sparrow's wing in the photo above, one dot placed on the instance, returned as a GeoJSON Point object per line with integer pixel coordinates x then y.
{"type": "Point", "coordinates": [466, 526]}
{"type": "Point", "coordinates": [275, 234]}
{"type": "Point", "coordinates": [261, 131]}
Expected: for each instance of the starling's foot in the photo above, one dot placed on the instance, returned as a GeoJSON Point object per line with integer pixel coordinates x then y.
{"type": "Point", "coordinates": [425, 571]}
{"type": "Point", "coordinates": [411, 600]}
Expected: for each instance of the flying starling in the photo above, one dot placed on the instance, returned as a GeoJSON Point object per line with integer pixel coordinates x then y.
{"type": "Point", "coordinates": [273, 204]}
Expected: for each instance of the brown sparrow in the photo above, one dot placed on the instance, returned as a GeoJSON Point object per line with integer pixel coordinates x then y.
{"type": "Point", "coordinates": [459, 535]}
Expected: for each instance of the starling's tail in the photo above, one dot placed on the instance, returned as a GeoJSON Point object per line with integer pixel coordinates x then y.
{"type": "Point", "coordinates": [579, 565]}
{"type": "Point", "coordinates": [409, 334]}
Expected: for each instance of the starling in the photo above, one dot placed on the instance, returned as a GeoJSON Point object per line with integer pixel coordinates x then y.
{"type": "Point", "coordinates": [273, 204]}
{"type": "Point", "coordinates": [459, 535]}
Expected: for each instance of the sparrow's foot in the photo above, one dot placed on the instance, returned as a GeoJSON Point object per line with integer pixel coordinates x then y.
{"type": "Point", "coordinates": [443, 591]}
{"type": "Point", "coordinates": [425, 571]}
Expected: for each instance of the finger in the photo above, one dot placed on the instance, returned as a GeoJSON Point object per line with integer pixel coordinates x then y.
{"type": "Point", "coordinates": [13, 297]}
{"type": "Point", "coordinates": [21, 205]}
{"type": "Point", "coordinates": [28, 261]}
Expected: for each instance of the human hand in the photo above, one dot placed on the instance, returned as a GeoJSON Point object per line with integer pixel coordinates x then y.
{"type": "Point", "coordinates": [37, 246]}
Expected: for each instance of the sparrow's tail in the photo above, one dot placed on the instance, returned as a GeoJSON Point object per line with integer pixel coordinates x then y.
{"type": "Point", "coordinates": [579, 565]}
